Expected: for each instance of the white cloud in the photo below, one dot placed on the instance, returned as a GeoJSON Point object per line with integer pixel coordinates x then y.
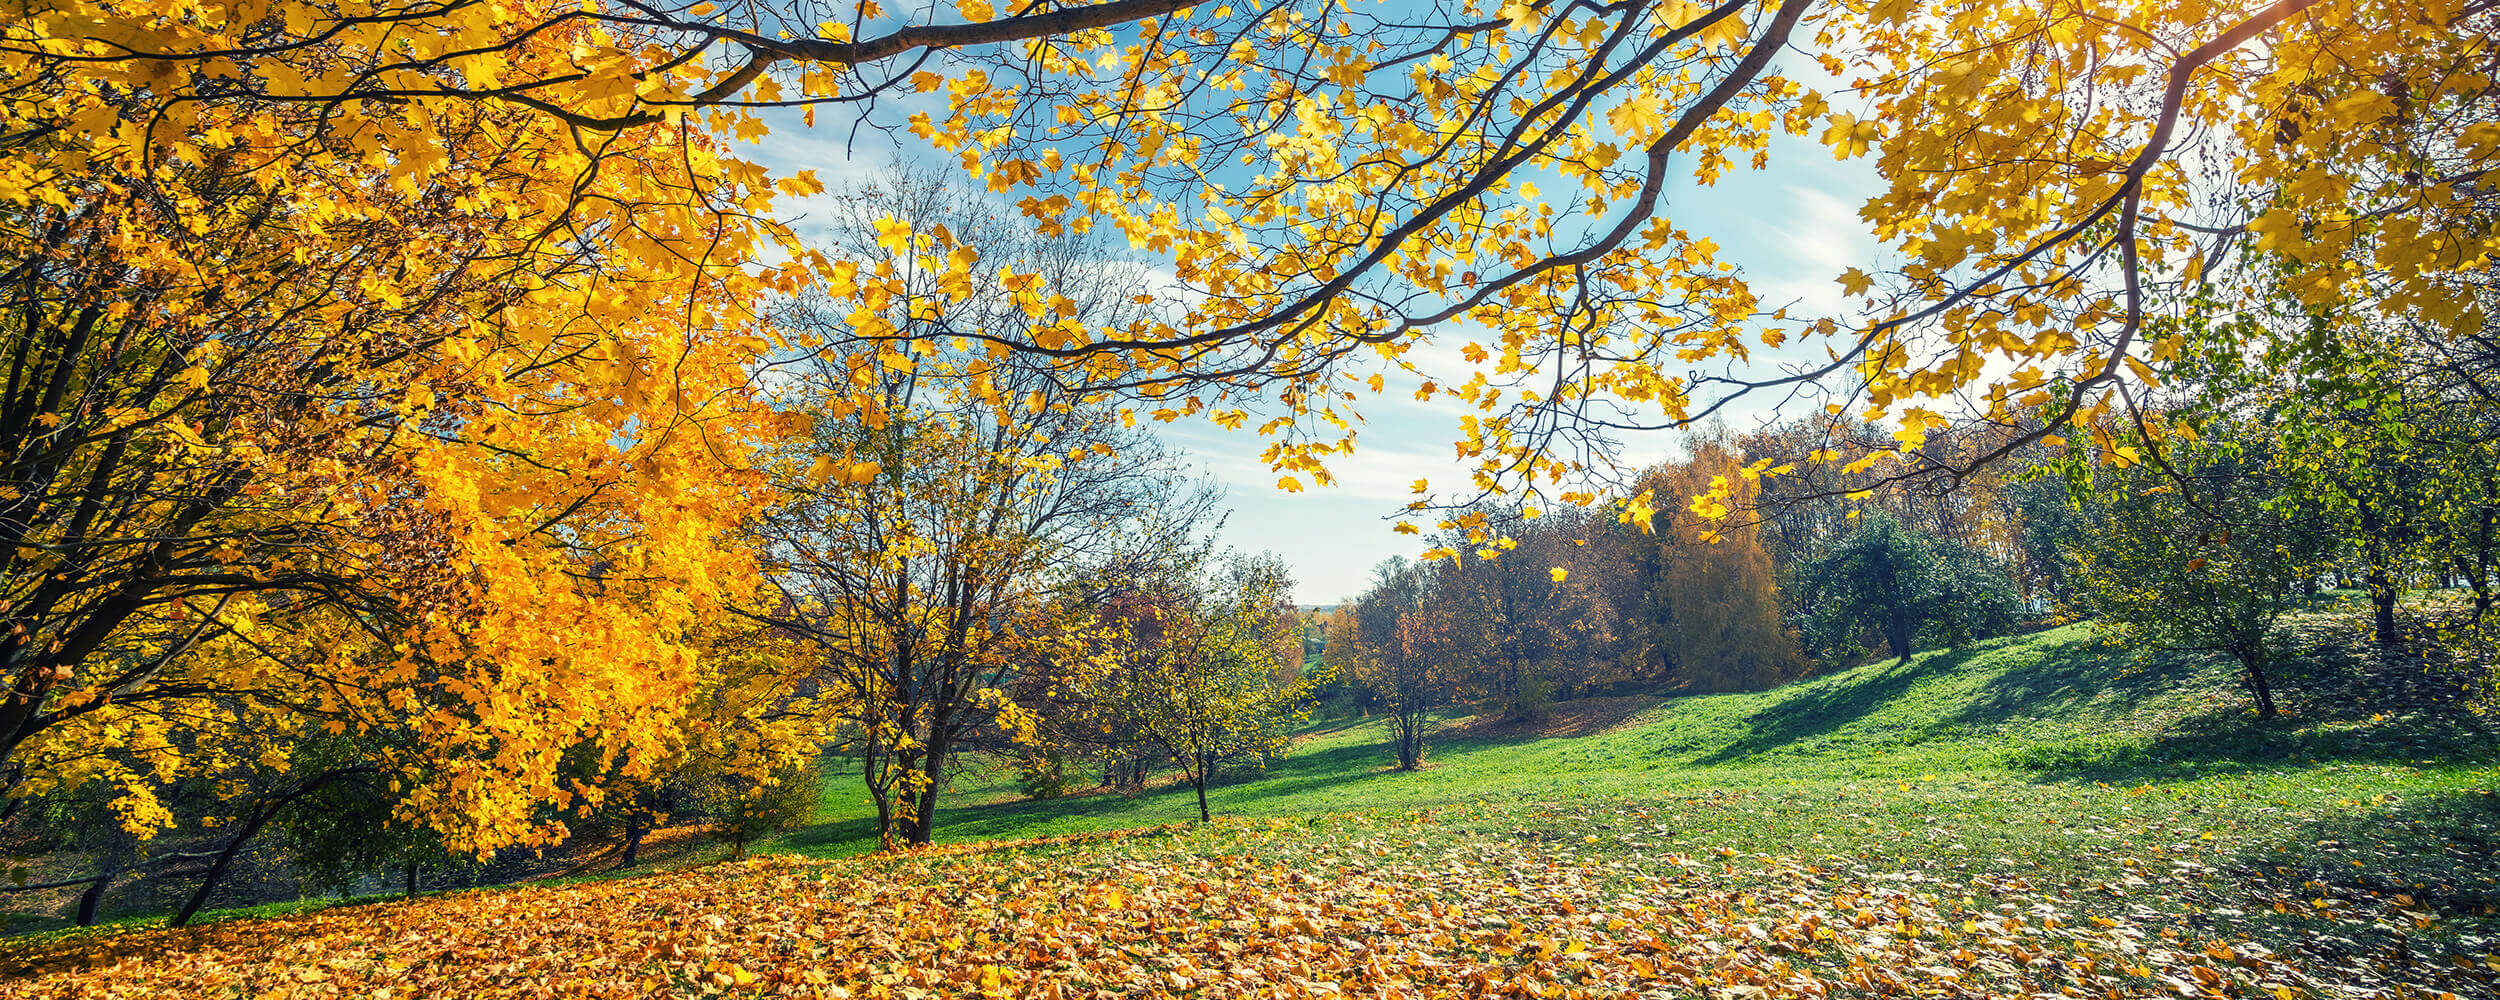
{"type": "Point", "coordinates": [1820, 238]}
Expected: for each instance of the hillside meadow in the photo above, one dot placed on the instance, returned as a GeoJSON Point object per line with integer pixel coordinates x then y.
{"type": "Point", "coordinates": [2036, 815]}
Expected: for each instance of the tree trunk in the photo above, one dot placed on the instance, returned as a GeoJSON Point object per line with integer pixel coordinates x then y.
{"type": "Point", "coordinates": [633, 845]}
{"type": "Point", "coordinates": [93, 898]}
{"type": "Point", "coordinates": [2383, 609]}
{"type": "Point", "coordinates": [1199, 779]}
{"type": "Point", "coordinates": [871, 768]}
{"type": "Point", "coordinates": [225, 858]}
{"type": "Point", "coordinates": [2257, 685]}
{"type": "Point", "coordinates": [2378, 579]}
{"type": "Point", "coordinates": [933, 770]}
{"type": "Point", "coordinates": [260, 817]}
{"type": "Point", "coordinates": [412, 880]}
{"type": "Point", "coordinates": [1410, 741]}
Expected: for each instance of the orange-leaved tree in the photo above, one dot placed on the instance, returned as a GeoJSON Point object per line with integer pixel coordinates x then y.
{"type": "Point", "coordinates": [372, 414]}
{"type": "Point", "coordinates": [1710, 615]}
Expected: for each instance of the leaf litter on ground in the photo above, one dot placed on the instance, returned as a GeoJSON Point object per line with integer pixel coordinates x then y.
{"type": "Point", "coordinates": [1449, 902]}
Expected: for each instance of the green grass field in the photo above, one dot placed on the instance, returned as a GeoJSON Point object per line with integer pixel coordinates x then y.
{"type": "Point", "coordinates": [2116, 785]}
{"type": "Point", "coordinates": [2014, 726]}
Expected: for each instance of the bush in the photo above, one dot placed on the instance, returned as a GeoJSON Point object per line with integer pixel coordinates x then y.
{"type": "Point", "coordinates": [1044, 775]}
{"type": "Point", "coordinates": [1536, 699]}
{"type": "Point", "coordinates": [744, 810]}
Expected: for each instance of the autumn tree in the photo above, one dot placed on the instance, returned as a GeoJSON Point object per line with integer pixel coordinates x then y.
{"type": "Point", "coordinates": [326, 418]}
{"type": "Point", "coordinates": [931, 526]}
{"type": "Point", "coordinates": [1205, 671]}
{"type": "Point", "coordinates": [1516, 623]}
{"type": "Point", "coordinates": [1709, 611]}
{"type": "Point", "coordinates": [2038, 160]}
{"type": "Point", "coordinates": [2210, 558]}
{"type": "Point", "coordinates": [1395, 641]}
{"type": "Point", "coordinates": [462, 290]}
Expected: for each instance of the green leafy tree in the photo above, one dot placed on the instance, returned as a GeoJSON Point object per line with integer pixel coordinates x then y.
{"type": "Point", "coordinates": [1906, 587]}
{"type": "Point", "coordinates": [1203, 674]}
{"type": "Point", "coordinates": [2210, 558]}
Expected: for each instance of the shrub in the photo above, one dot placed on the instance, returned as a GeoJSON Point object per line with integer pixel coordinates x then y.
{"type": "Point", "coordinates": [1044, 775]}
{"type": "Point", "coordinates": [744, 809]}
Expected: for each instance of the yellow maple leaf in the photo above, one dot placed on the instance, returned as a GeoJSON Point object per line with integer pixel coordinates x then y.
{"type": "Point", "coordinates": [1637, 118]}
{"type": "Point", "coordinates": [1849, 136]}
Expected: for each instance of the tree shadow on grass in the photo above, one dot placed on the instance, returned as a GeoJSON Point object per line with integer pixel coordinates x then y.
{"type": "Point", "coordinates": [1335, 767]}
{"type": "Point", "coordinates": [1563, 720]}
{"type": "Point", "coordinates": [1331, 727]}
{"type": "Point", "coordinates": [1820, 708]}
{"type": "Point", "coordinates": [2232, 741]}
{"type": "Point", "coordinates": [2408, 886]}
{"type": "Point", "coordinates": [2066, 678]}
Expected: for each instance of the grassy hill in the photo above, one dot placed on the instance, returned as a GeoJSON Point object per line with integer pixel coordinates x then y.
{"type": "Point", "coordinates": [2027, 723]}
{"type": "Point", "coordinates": [2031, 814]}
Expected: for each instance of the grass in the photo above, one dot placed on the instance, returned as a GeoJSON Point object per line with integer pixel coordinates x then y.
{"type": "Point", "coordinates": [2045, 757]}
{"type": "Point", "coordinates": [2047, 716]}
{"type": "Point", "coordinates": [2043, 774]}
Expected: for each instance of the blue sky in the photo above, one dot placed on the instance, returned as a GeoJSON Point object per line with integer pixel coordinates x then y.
{"type": "Point", "coordinates": [1792, 229]}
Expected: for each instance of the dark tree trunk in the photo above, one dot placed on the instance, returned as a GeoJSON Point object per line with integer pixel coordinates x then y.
{"type": "Point", "coordinates": [1199, 779]}
{"type": "Point", "coordinates": [225, 859]}
{"type": "Point", "coordinates": [261, 815]}
{"type": "Point", "coordinates": [633, 845]}
{"type": "Point", "coordinates": [933, 772]}
{"type": "Point", "coordinates": [93, 899]}
{"type": "Point", "coordinates": [2382, 608]}
{"type": "Point", "coordinates": [2381, 582]}
{"type": "Point", "coordinates": [2258, 686]}
{"type": "Point", "coordinates": [1410, 740]}
{"type": "Point", "coordinates": [412, 881]}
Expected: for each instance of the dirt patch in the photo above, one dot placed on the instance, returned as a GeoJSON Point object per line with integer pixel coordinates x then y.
{"type": "Point", "coordinates": [1580, 717]}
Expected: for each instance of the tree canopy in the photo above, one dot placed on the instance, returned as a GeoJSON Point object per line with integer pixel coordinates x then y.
{"type": "Point", "coordinates": [1333, 182]}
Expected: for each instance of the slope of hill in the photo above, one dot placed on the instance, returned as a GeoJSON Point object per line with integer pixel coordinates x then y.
{"type": "Point", "coordinates": [2019, 719]}
{"type": "Point", "coordinates": [2032, 815]}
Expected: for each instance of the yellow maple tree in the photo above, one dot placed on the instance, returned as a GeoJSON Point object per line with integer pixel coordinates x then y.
{"type": "Point", "coordinates": [425, 415]}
